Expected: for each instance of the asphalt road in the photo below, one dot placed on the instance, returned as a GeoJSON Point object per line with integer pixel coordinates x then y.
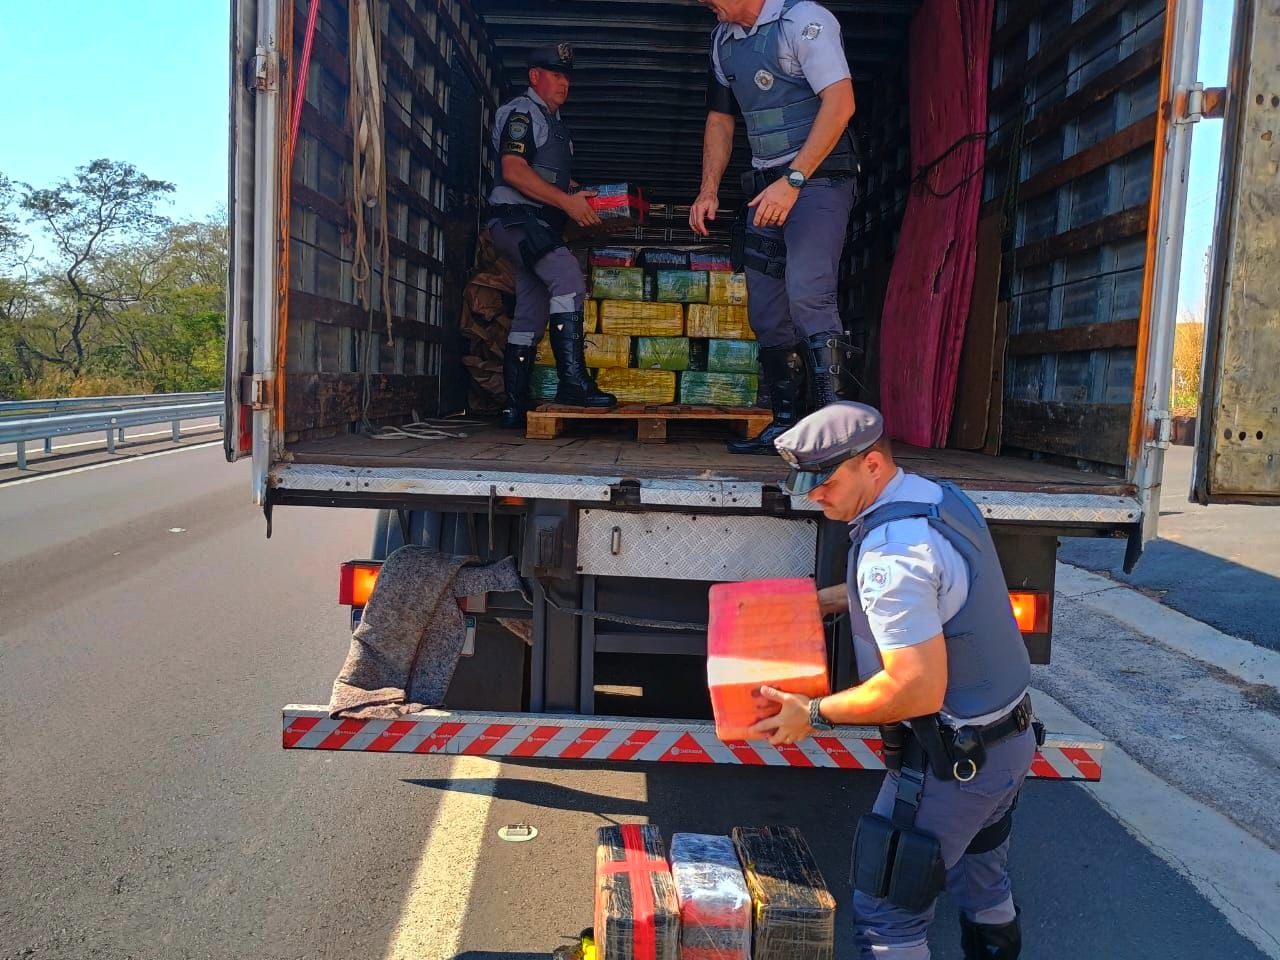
{"type": "Point", "coordinates": [149, 636]}
{"type": "Point", "coordinates": [1219, 564]}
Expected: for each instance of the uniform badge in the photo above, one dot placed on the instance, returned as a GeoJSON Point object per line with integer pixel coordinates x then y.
{"type": "Point", "coordinates": [518, 128]}
{"type": "Point", "coordinates": [764, 80]}
{"type": "Point", "coordinates": [566, 52]}
{"type": "Point", "coordinates": [811, 32]}
{"type": "Point", "coordinates": [877, 577]}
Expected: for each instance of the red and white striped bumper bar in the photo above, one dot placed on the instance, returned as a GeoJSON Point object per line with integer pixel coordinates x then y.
{"type": "Point", "coordinates": [610, 739]}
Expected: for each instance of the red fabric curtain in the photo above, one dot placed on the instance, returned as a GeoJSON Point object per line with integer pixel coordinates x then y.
{"type": "Point", "coordinates": [931, 283]}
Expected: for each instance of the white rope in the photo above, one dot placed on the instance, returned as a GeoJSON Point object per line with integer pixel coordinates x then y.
{"type": "Point", "coordinates": [444, 429]}
{"type": "Point", "coordinates": [368, 158]}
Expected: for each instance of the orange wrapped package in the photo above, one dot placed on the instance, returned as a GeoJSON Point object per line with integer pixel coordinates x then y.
{"type": "Point", "coordinates": [762, 632]}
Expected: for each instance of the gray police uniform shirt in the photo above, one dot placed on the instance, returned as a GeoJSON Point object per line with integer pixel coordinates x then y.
{"type": "Point", "coordinates": [528, 102]}
{"type": "Point", "coordinates": [811, 47]}
{"type": "Point", "coordinates": [911, 580]}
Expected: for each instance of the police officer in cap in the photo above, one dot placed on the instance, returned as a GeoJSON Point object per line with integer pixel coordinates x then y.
{"type": "Point", "coordinates": [533, 196]}
{"type": "Point", "coordinates": [781, 65]}
{"type": "Point", "coordinates": [943, 670]}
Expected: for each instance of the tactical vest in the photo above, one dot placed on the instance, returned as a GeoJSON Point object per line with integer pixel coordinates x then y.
{"type": "Point", "coordinates": [779, 109]}
{"type": "Point", "coordinates": [553, 161]}
{"type": "Point", "coordinates": [987, 662]}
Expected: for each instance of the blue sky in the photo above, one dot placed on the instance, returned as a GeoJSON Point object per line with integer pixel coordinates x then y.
{"type": "Point", "coordinates": [146, 81]}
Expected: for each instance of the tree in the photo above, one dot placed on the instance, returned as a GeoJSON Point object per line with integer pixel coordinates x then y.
{"type": "Point", "coordinates": [106, 206]}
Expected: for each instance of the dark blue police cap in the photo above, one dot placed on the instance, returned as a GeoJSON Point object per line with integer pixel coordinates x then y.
{"type": "Point", "coordinates": [817, 445]}
{"type": "Point", "coordinates": [554, 56]}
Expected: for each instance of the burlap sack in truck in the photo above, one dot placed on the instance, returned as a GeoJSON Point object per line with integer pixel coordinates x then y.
{"type": "Point", "coordinates": [487, 306]}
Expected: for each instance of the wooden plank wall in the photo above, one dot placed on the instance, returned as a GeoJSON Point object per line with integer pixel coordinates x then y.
{"type": "Point", "coordinates": [425, 44]}
{"type": "Point", "coordinates": [1075, 89]}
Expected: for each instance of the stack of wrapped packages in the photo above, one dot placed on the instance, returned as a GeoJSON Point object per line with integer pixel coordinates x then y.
{"type": "Point", "coordinates": [664, 326]}
{"type": "Point", "coordinates": [759, 894]}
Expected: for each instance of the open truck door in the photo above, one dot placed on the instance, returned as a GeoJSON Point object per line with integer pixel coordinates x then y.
{"type": "Point", "coordinates": [258, 48]}
{"type": "Point", "coordinates": [1238, 433]}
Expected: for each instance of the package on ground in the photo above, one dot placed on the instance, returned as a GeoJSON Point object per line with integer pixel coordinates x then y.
{"type": "Point", "coordinates": [663, 353]}
{"type": "Point", "coordinates": [642, 319]}
{"type": "Point", "coordinates": [639, 386]}
{"type": "Point", "coordinates": [617, 283]}
{"type": "Point", "coordinates": [637, 916]}
{"type": "Point", "coordinates": [712, 260]}
{"type": "Point", "coordinates": [727, 288]}
{"type": "Point", "coordinates": [715, 905]}
{"type": "Point", "coordinates": [681, 286]}
{"type": "Point", "coordinates": [733, 356]}
{"type": "Point", "coordinates": [591, 310]}
{"type": "Point", "coordinates": [612, 257]}
{"type": "Point", "coordinates": [762, 632]}
{"type": "Point", "coordinates": [718, 389]}
{"type": "Point", "coordinates": [718, 321]}
{"type": "Point", "coordinates": [795, 913]}
{"type": "Point", "coordinates": [663, 258]}
{"type": "Point", "coordinates": [543, 383]}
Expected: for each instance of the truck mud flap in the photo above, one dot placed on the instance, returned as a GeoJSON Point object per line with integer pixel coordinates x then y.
{"type": "Point", "coordinates": [558, 738]}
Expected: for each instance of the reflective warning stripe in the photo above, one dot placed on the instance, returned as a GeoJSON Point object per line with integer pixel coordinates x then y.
{"type": "Point", "coordinates": [611, 739]}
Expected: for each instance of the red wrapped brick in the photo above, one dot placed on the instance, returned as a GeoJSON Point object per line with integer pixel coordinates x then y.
{"type": "Point", "coordinates": [637, 916]}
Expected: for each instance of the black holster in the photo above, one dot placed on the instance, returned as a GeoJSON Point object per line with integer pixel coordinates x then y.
{"type": "Point", "coordinates": [539, 237]}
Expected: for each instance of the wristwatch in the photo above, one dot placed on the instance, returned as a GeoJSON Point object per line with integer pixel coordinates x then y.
{"type": "Point", "coordinates": [816, 719]}
{"type": "Point", "coordinates": [796, 178]}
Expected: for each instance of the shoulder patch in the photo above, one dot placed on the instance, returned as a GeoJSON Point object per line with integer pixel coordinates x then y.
{"type": "Point", "coordinates": [811, 32]}
{"type": "Point", "coordinates": [876, 578]}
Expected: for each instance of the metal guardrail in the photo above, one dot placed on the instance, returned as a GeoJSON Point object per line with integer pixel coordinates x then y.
{"type": "Point", "coordinates": [9, 408]}
{"type": "Point", "coordinates": [113, 422]}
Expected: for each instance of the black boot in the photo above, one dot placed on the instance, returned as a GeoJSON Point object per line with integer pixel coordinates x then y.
{"type": "Point", "coordinates": [983, 941]}
{"type": "Point", "coordinates": [576, 389]}
{"type": "Point", "coordinates": [517, 368]}
{"type": "Point", "coordinates": [783, 369]}
{"type": "Point", "coordinates": [827, 357]}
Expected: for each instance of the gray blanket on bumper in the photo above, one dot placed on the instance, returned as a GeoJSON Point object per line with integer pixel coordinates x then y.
{"type": "Point", "coordinates": [406, 648]}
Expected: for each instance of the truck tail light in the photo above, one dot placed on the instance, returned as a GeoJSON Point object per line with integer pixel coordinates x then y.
{"type": "Point", "coordinates": [355, 582]}
{"type": "Point", "coordinates": [1031, 611]}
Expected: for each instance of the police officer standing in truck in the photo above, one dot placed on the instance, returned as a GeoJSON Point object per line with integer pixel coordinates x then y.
{"type": "Point", "coordinates": [533, 197]}
{"type": "Point", "coordinates": [944, 671]}
{"type": "Point", "coordinates": [781, 65]}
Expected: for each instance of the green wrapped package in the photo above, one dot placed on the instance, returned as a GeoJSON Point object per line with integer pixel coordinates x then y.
{"type": "Point", "coordinates": [662, 353]}
{"type": "Point", "coordinates": [732, 356]}
{"type": "Point", "coordinates": [718, 389]}
{"type": "Point", "coordinates": [617, 283]}
{"type": "Point", "coordinates": [682, 286]}
{"type": "Point", "coordinates": [543, 384]}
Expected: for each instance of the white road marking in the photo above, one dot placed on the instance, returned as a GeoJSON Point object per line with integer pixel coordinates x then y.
{"type": "Point", "coordinates": [1230, 868]}
{"type": "Point", "coordinates": [435, 903]}
{"type": "Point", "coordinates": [108, 463]}
{"type": "Point", "coordinates": [1240, 658]}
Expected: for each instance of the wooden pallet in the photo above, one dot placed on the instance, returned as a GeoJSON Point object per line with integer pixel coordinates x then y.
{"type": "Point", "coordinates": [550, 420]}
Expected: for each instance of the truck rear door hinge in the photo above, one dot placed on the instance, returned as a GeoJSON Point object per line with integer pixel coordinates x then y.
{"type": "Point", "coordinates": [255, 391]}
{"type": "Point", "coordinates": [1161, 431]}
{"type": "Point", "coordinates": [1198, 102]}
{"type": "Point", "coordinates": [260, 71]}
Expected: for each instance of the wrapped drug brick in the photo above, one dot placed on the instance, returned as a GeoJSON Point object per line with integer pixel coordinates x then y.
{"type": "Point", "coordinates": [727, 288]}
{"type": "Point", "coordinates": [682, 286]}
{"type": "Point", "coordinates": [545, 356]}
{"type": "Point", "coordinates": [544, 383]}
{"type": "Point", "coordinates": [795, 913]}
{"type": "Point", "coordinates": [612, 257]}
{"type": "Point", "coordinates": [715, 905]}
{"type": "Point", "coordinates": [637, 916]}
{"type": "Point", "coordinates": [617, 283]}
{"type": "Point", "coordinates": [639, 386]}
{"type": "Point", "coordinates": [718, 322]}
{"type": "Point", "coordinates": [662, 353]}
{"type": "Point", "coordinates": [663, 258]}
{"type": "Point", "coordinates": [762, 632]}
{"type": "Point", "coordinates": [604, 350]}
{"type": "Point", "coordinates": [711, 260]}
{"type": "Point", "coordinates": [733, 356]}
{"type": "Point", "coordinates": [591, 311]}
{"type": "Point", "coordinates": [642, 319]}
{"type": "Point", "coordinates": [718, 389]}
{"type": "Point", "coordinates": [619, 205]}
